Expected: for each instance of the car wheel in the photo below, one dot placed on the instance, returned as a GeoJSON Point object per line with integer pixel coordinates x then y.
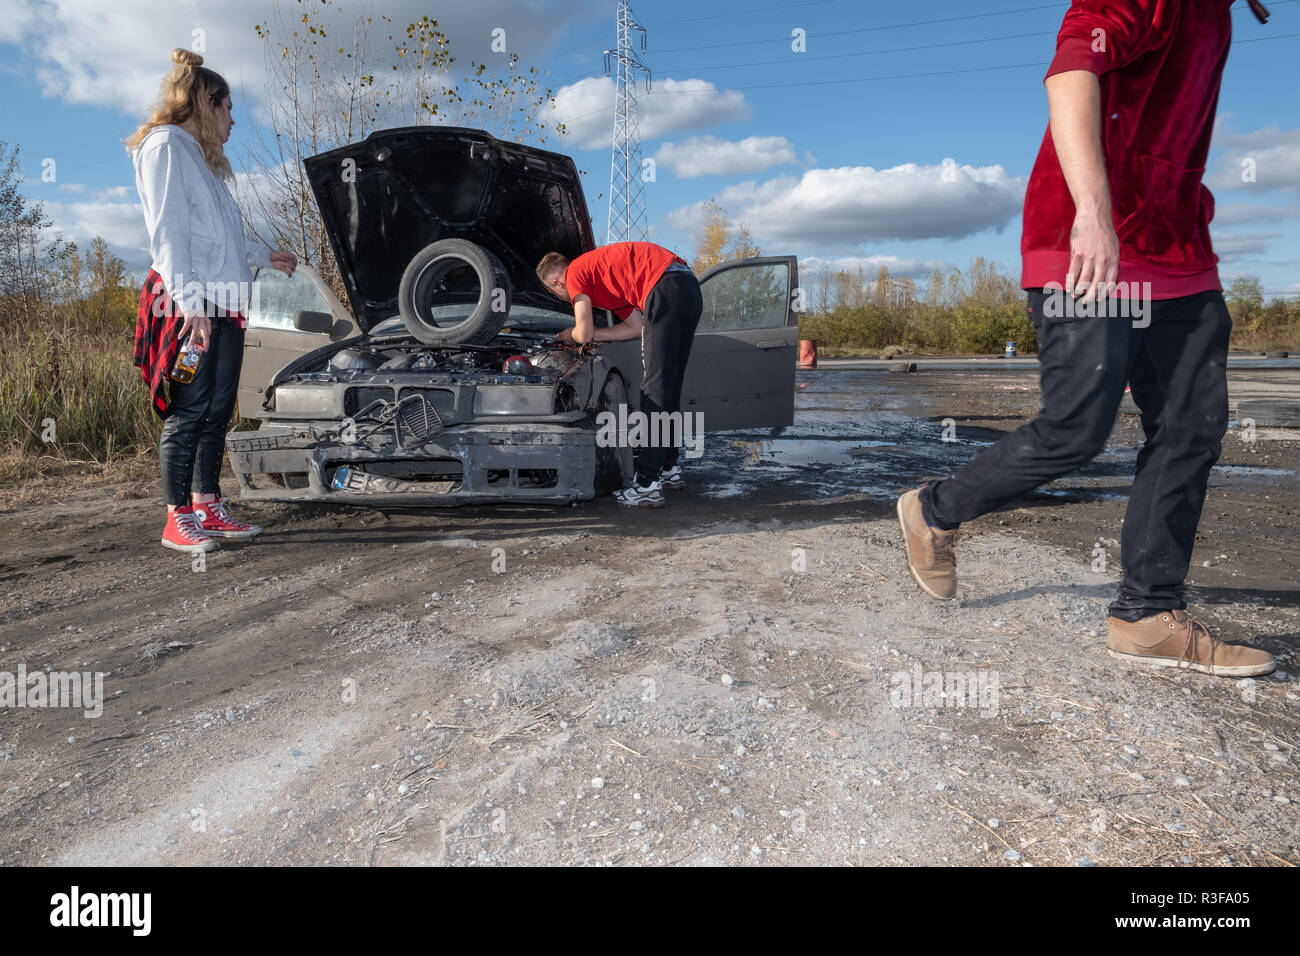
{"type": "Point", "coordinates": [614, 468]}
{"type": "Point", "coordinates": [454, 292]}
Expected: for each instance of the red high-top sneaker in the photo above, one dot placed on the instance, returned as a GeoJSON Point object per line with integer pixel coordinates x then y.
{"type": "Point", "coordinates": [215, 520]}
{"type": "Point", "coordinates": [184, 534]}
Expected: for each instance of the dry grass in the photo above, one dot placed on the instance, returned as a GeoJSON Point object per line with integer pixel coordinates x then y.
{"type": "Point", "coordinates": [71, 403]}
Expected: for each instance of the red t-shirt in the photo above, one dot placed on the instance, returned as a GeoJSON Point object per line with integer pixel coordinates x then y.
{"type": "Point", "coordinates": [618, 277]}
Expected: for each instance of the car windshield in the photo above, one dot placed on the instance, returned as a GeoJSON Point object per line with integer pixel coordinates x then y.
{"type": "Point", "coordinates": [524, 318]}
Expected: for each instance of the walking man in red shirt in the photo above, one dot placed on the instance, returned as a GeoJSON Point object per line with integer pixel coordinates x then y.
{"type": "Point", "coordinates": [657, 298]}
{"type": "Point", "coordinates": [1122, 288]}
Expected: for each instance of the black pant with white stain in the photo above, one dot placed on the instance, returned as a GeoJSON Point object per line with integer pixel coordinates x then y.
{"type": "Point", "coordinates": [1176, 367]}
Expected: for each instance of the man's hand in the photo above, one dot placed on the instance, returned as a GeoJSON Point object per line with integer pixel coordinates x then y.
{"type": "Point", "coordinates": [1074, 102]}
{"type": "Point", "coordinates": [564, 336]}
{"type": "Point", "coordinates": [1094, 255]}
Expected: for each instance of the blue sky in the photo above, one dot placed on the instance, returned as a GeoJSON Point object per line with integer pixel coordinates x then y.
{"type": "Point", "coordinates": [829, 153]}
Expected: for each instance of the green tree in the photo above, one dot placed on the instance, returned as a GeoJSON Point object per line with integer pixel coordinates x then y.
{"type": "Point", "coordinates": [28, 253]}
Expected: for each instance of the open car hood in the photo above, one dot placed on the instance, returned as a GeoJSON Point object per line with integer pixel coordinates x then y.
{"type": "Point", "coordinates": [384, 199]}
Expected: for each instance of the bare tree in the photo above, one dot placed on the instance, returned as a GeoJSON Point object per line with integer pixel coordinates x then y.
{"type": "Point", "coordinates": [329, 86]}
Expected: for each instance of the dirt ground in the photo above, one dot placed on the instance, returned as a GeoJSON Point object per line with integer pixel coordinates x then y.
{"type": "Point", "coordinates": [743, 677]}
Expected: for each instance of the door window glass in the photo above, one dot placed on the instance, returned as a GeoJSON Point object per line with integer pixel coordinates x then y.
{"type": "Point", "coordinates": [276, 297]}
{"type": "Point", "coordinates": [746, 297]}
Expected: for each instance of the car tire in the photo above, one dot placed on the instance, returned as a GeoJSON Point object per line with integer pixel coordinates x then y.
{"type": "Point", "coordinates": [1269, 413]}
{"type": "Point", "coordinates": [614, 466]}
{"type": "Point", "coordinates": [424, 279]}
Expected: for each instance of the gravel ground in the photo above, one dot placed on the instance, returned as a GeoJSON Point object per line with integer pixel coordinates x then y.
{"type": "Point", "coordinates": [746, 677]}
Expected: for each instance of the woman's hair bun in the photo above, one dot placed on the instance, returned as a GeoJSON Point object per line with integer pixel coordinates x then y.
{"type": "Point", "coordinates": [184, 57]}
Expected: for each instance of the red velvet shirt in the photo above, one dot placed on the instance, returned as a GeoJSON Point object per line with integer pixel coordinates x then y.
{"type": "Point", "coordinates": [619, 276]}
{"type": "Point", "coordinates": [1160, 63]}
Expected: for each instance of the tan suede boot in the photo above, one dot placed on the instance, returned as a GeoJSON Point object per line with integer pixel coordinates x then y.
{"type": "Point", "coordinates": [929, 550]}
{"type": "Point", "coordinates": [1172, 639]}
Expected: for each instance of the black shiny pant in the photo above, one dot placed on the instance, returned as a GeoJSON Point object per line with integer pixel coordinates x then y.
{"type": "Point", "coordinates": [193, 437]}
{"type": "Point", "coordinates": [1176, 368]}
{"type": "Point", "coordinates": [672, 312]}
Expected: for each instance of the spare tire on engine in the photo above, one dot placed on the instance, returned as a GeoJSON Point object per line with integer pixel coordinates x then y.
{"type": "Point", "coordinates": [454, 292]}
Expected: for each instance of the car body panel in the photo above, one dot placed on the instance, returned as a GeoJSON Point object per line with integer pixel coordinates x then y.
{"type": "Point", "coordinates": [474, 464]}
{"type": "Point", "coordinates": [271, 342]}
{"type": "Point", "coordinates": [742, 365]}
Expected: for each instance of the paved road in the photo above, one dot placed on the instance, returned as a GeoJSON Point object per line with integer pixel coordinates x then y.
{"type": "Point", "coordinates": [1023, 363]}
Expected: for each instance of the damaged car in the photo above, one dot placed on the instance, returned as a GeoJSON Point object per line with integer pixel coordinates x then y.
{"type": "Point", "coordinates": [444, 384]}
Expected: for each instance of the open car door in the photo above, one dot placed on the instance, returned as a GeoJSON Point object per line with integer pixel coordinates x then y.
{"type": "Point", "coordinates": [281, 314]}
{"type": "Point", "coordinates": [741, 371]}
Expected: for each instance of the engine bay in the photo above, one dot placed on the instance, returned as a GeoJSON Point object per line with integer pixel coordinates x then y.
{"type": "Point", "coordinates": [546, 362]}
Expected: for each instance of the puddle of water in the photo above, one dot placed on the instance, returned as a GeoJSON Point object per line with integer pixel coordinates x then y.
{"type": "Point", "coordinates": [1082, 492]}
{"type": "Point", "coordinates": [1250, 471]}
{"type": "Point", "coordinates": [806, 451]}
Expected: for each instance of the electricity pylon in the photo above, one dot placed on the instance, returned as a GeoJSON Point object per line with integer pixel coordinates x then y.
{"type": "Point", "coordinates": [627, 214]}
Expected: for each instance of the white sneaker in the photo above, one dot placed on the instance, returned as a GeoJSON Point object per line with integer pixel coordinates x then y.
{"type": "Point", "coordinates": [641, 496]}
{"type": "Point", "coordinates": [672, 478]}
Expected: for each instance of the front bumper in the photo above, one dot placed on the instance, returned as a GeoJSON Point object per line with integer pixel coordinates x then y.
{"type": "Point", "coordinates": [465, 464]}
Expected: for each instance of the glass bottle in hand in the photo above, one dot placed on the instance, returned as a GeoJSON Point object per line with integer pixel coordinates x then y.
{"type": "Point", "coordinates": [187, 360]}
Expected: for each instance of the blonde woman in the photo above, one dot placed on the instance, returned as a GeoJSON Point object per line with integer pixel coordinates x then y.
{"type": "Point", "coordinates": [198, 287]}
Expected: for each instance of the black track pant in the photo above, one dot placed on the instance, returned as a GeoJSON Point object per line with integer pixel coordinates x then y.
{"type": "Point", "coordinates": [672, 311]}
{"type": "Point", "coordinates": [1176, 368]}
{"type": "Point", "coordinates": [193, 437]}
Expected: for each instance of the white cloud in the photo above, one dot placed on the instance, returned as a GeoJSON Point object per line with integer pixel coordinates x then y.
{"type": "Point", "coordinates": [116, 54]}
{"type": "Point", "coordinates": [711, 156]}
{"type": "Point", "coordinates": [121, 225]}
{"type": "Point", "coordinates": [857, 204]}
{"type": "Point", "coordinates": [16, 18]}
{"type": "Point", "coordinates": [587, 109]}
{"type": "Point", "coordinates": [1235, 214]}
{"type": "Point", "coordinates": [1271, 157]}
{"type": "Point", "coordinates": [1234, 246]}
{"type": "Point", "coordinates": [870, 266]}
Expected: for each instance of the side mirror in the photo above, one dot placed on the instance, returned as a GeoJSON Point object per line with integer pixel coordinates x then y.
{"type": "Point", "coordinates": [305, 321]}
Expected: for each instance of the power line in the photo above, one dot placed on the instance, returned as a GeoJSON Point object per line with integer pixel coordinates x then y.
{"type": "Point", "coordinates": [893, 76]}
{"type": "Point", "coordinates": [860, 79]}
{"type": "Point", "coordinates": [901, 49]}
{"type": "Point", "coordinates": [874, 29]}
{"type": "Point", "coordinates": [901, 26]}
{"type": "Point", "coordinates": [747, 12]}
